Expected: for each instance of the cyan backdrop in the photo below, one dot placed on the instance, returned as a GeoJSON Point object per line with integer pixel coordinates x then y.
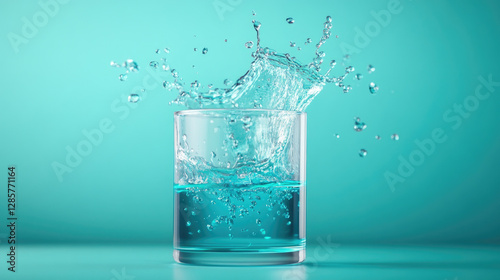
{"type": "Point", "coordinates": [432, 58]}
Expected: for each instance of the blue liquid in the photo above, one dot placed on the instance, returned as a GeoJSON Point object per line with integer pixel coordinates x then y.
{"type": "Point", "coordinates": [240, 218]}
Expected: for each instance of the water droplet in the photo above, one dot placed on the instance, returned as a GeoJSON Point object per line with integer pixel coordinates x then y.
{"type": "Point", "coordinates": [292, 44]}
{"type": "Point", "coordinates": [133, 98]}
{"type": "Point", "coordinates": [395, 137]}
{"type": "Point", "coordinates": [204, 51]}
{"type": "Point", "coordinates": [373, 88]}
{"type": "Point", "coordinates": [358, 77]}
{"type": "Point", "coordinates": [122, 77]}
{"type": "Point", "coordinates": [258, 222]}
{"type": "Point", "coordinates": [174, 73]}
{"type": "Point", "coordinates": [193, 213]}
{"type": "Point", "coordinates": [188, 223]}
{"type": "Point", "coordinates": [308, 41]}
{"type": "Point", "coordinates": [198, 231]}
{"type": "Point", "coordinates": [154, 64]}
{"type": "Point", "coordinates": [299, 48]}
{"type": "Point", "coordinates": [256, 25]}
{"type": "Point", "coordinates": [131, 65]}
{"type": "Point", "coordinates": [363, 153]}
{"type": "Point", "coordinates": [210, 227]}
{"type": "Point", "coordinates": [230, 236]}
{"type": "Point", "coordinates": [262, 231]}
{"type": "Point", "coordinates": [166, 50]}
{"type": "Point", "coordinates": [157, 51]}
{"type": "Point", "coordinates": [288, 223]}
{"type": "Point", "coordinates": [333, 63]}
{"type": "Point", "coordinates": [358, 125]}
{"type": "Point", "coordinates": [371, 69]}
{"type": "Point", "coordinates": [350, 69]}
{"type": "Point", "coordinates": [249, 44]}
{"type": "Point", "coordinates": [254, 13]}
{"type": "Point", "coordinates": [290, 20]}
{"type": "Point", "coordinates": [328, 19]}
{"type": "Point", "coordinates": [336, 136]}
{"type": "Point", "coordinates": [347, 89]}
{"type": "Point", "coordinates": [210, 85]}
{"type": "Point", "coordinates": [195, 84]}
{"type": "Point", "coordinates": [114, 64]}
{"type": "Point", "coordinates": [227, 82]}
{"type": "Point", "coordinates": [377, 137]}
{"type": "Point", "coordinates": [195, 49]}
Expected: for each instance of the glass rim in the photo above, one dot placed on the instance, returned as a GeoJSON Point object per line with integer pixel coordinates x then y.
{"type": "Point", "coordinates": [188, 112]}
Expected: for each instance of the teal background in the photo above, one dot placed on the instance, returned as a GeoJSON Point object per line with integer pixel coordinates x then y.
{"type": "Point", "coordinates": [427, 58]}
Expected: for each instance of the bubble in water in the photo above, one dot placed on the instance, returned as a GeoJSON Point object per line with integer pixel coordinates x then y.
{"type": "Point", "coordinates": [249, 44]}
{"type": "Point", "coordinates": [377, 137]}
{"type": "Point", "coordinates": [227, 82]}
{"type": "Point", "coordinates": [373, 88]}
{"type": "Point", "coordinates": [288, 223]}
{"type": "Point", "coordinates": [204, 51]}
{"type": "Point", "coordinates": [292, 44]}
{"type": "Point", "coordinates": [308, 41]}
{"type": "Point", "coordinates": [337, 136]}
{"type": "Point", "coordinates": [290, 20]}
{"type": "Point", "coordinates": [262, 231]}
{"type": "Point", "coordinates": [256, 25]}
{"type": "Point", "coordinates": [230, 236]}
{"type": "Point", "coordinates": [133, 98]}
{"type": "Point", "coordinates": [210, 227]}
{"type": "Point", "coordinates": [122, 77]}
{"type": "Point", "coordinates": [358, 76]}
{"type": "Point", "coordinates": [358, 125]}
{"type": "Point", "coordinates": [371, 69]}
{"type": "Point", "coordinates": [395, 137]}
{"type": "Point", "coordinates": [154, 64]}
{"type": "Point", "coordinates": [188, 223]}
{"type": "Point", "coordinates": [258, 222]}
{"type": "Point", "coordinates": [363, 153]}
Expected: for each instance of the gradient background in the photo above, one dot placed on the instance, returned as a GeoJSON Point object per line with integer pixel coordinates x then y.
{"type": "Point", "coordinates": [427, 58]}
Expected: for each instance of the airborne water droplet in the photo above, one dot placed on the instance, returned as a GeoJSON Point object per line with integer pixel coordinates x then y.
{"type": "Point", "coordinates": [292, 44]}
{"type": "Point", "coordinates": [167, 50]}
{"type": "Point", "coordinates": [249, 44]}
{"type": "Point", "coordinates": [347, 89]}
{"type": "Point", "coordinates": [133, 98]}
{"type": "Point", "coordinates": [373, 88]}
{"type": "Point", "coordinates": [337, 136]}
{"type": "Point", "coordinates": [358, 125]}
{"type": "Point", "coordinates": [363, 153]}
{"type": "Point", "coordinates": [358, 77]}
{"type": "Point", "coordinates": [256, 25]}
{"type": "Point", "coordinates": [154, 64]}
{"type": "Point", "coordinates": [328, 19]}
{"type": "Point", "coordinates": [395, 137]}
{"type": "Point", "coordinates": [371, 69]}
{"type": "Point", "coordinates": [227, 82]}
{"type": "Point", "coordinates": [308, 41]}
{"type": "Point", "coordinates": [204, 51]}
{"type": "Point", "coordinates": [377, 137]}
{"type": "Point", "coordinates": [290, 20]}
{"type": "Point", "coordinates": [122, 77]}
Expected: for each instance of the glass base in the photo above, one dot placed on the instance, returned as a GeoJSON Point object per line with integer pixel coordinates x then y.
{"type": "Point", "coordinates": [239, 258]}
